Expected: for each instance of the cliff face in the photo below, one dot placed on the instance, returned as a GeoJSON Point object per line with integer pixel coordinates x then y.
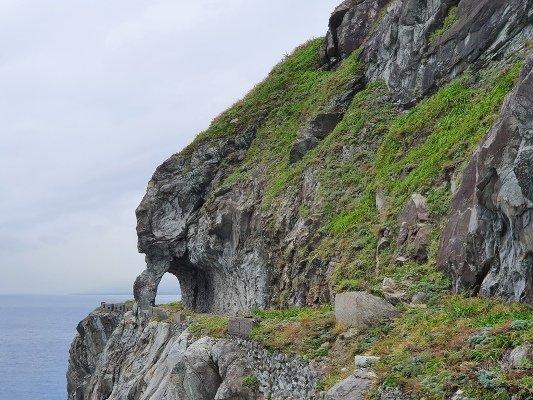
{"type": "Point", "coordinates": [119, 358]}
{"type": "Point", "coordinates": [394, 156]}
{"type": "Point", "coordinates": [487, 245]}
{"type": "Point", "coordinates": [238, 237]}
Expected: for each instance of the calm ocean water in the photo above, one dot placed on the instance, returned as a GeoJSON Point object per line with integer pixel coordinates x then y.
{"type": "Point", "coordinates": [35, 336]}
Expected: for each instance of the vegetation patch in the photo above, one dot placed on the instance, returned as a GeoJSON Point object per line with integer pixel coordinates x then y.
{"type": "Point", "coordinates": [449, 21]}
{"type": "Point", "coordinates": [459, 343]}
{"type": "Point", "coordinates": [296, 331]}
{"type": "Point", "coordinates": [251, 381]}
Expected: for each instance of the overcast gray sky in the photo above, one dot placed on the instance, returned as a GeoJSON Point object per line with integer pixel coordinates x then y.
{"type": "Point", "coordinates": [93, 96]}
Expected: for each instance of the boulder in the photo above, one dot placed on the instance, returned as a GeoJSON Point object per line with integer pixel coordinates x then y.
{"type": "Point", "coordinates": [361, 310]}
{"type": "Point", "coordinates": [309, 137]}
{"type": "Point", "coordinates": [365, 361]}
{"type": "Point", "coordinates": [420, 298]}
{"type": "Point", "coordinates": [521, 357]}
{"type": "Point", "coordinates": [355, 387]}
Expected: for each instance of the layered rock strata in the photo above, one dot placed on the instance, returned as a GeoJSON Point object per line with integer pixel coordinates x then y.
{"type": "Point", "coordinates": [487, 246]}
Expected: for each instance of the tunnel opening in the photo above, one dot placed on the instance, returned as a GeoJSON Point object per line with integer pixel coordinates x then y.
{"type": "Point", "coordinates": [168, 289]}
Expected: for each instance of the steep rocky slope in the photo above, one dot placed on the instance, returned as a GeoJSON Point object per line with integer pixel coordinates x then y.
{"type": "Point", "coordinates": [239, 215]}
{"type": "Point", "coordinates": [393, 156]}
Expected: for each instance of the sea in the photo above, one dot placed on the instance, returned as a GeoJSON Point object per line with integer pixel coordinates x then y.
{"type": "Point", "coordinates": [35, 336]}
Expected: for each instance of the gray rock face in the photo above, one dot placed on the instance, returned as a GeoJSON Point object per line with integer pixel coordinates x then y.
{"type": "Point", "coordinates": [355, 387]}
{"type": "Point", "coordinates": [153, 361]}
{"type": "Point", "coordinates": [414, 227]}
{"type": "Point", "coordinates": [203, 245]}
{"type": "Point", "coordinates": [349, 25]}
{"type": "Point", "coordinates": [403, 49]}
{"type": "Point", "coordinates": [313, 133]}
{"type": "Point", "coordinates": [93, 334]}
{"type": "Point", "coordinates": [360, 309]}
{"type": "Point", "coordinates": [487, 245]}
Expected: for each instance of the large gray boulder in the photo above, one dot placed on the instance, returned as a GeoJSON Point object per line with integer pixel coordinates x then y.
{"type": "Point", "coordinates": [361, 310]}
{"type": "Point", "coordinates": [487, 245]}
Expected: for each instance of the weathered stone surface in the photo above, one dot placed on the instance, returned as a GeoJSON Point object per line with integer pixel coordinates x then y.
{"type": "Point", "coordinates": [204, 247]}
{"type": "Point", "coordinates": [349, 25]}
{"type": "Point", "coordinates": [309, 137]}
{"type": "Point", "coordinates": [487, 245]}
{"type": "Point", "coordinates": [355, 387]}
{"type": "Point", "coordinates": [420, 298]}
{"type": "Point", "coordinates": [153, 361]}
{"type": "Point", "coordinates": [361, 310]}
{"type": "Point", "coordinates": [521, 356]}
{"type": "Point", "coordinates": [365, 361]}
{"type": "Point", "coordinates": [400, 47]}
{"type": "Point", "coordinates": [414, 226]}
{"type": "Point", "coordinates": [93, 333]}
{"type": "Point", "coordinates": [403, 52]}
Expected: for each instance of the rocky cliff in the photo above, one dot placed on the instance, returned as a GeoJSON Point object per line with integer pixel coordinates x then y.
{"type": "Point", "coordinates": [394, 156]}
{"type": "Point", "coordinates": [218, 217]}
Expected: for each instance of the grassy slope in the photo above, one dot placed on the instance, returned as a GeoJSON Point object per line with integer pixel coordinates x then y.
{"type": "Point", "coordinates": [401, 155]}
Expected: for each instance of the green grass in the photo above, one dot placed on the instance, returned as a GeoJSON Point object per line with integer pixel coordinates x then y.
{"type": "Point", "coordinates": [209, 325]}
{"type": "Point", "coordinates": [251, 381]}
{"type": "Point", "coordinates": [295, 331]}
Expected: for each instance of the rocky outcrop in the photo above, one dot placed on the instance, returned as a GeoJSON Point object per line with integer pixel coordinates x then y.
{"type": "Point", "coordinates": [204, 245]}
{"type": "Point", "coordinates": [487, 246]}
{"type": "Point", "coordinates": [93, 334]}
{"type": "Point", "coordinates": [361, 310]}
{"type": "Point", "coordinates": [355, 387]}
{"type": "Point", "coordinates": [412, 49]}
{"type": "Point", "coordinates": [131, 358]}
{"type": "Point", "coordinates": [309, 137]}
{"type": "Point", "coordinates": [415, 229]}
{"type": "Point", "coordinates": [155, 360]}
{"type": "Point", "coordinates": [349, 25]}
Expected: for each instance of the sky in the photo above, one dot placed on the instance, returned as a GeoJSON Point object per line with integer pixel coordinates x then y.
{"type": "Point", "coordinates": [93, 96]}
